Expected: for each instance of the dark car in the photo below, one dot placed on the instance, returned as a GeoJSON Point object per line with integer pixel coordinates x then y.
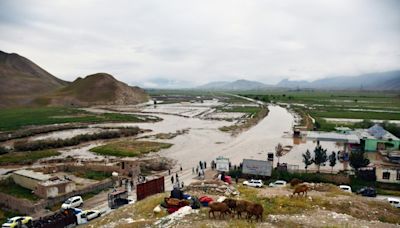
{"type": "Point", "coordinates": [367, 191]}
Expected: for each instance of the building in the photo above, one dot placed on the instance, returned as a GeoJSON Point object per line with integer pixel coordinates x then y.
{"type": "Point", "coordinates": [29, 179]}
{"type": "Point", "coordinates": [43, 185]}
{"type": "Point", "coordinates": [53, 188]}
{"type": "Point", "coordinates": [343, 130]}
{"type": "Point", "coordinates": [377, 138]}
{"type": "Point", "coordinates": [388, 173]}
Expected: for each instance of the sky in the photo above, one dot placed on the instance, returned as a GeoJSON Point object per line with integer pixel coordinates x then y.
{"type": "Point", "coordinates": [181, 43]}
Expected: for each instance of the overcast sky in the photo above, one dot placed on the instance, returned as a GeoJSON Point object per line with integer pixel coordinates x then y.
{"type": "Point", "coordinates": [185, 43]}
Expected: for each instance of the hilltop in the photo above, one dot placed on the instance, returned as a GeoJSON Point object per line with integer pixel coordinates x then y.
{"type": "Point", "coordinates": [21, 80]}
{"type": "Point", "coordinates": [23, 83]}
{"type": "Point", "coordinates": [95, 89]}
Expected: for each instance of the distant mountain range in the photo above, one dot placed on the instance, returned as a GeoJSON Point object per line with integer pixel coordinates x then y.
{"type": "Point", "coordinates": [374, 81]}
{"type": "Point", "coordinates": [23, 83]}
{"type": "Point", "coordinates": [235, 85]}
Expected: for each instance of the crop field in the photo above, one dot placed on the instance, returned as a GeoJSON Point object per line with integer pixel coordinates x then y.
{"type": "Point", "coordinates": [12, 119]}
{"type": "Point", "coordinates": [336, 104]}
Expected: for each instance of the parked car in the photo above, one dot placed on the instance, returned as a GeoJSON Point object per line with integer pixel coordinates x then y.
{"type": "Point", "coordinates": [72, 202]}
{"type": "Point", "coordinates": [16, 221]}
{"type": "Point", "coordinates": [254, 183]}
{"type": "Point", "coordinates": [278, 183]}
{"type": "Point", "coordinates": [345, 188]}
{"type": "Point", "coordinates": [394, 202]}
{"type": "Point", "coordinates": [367, 191]}
{"type": "Point", "coordinates": [90, 214]}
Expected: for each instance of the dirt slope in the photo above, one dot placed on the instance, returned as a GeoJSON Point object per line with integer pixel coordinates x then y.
{"type": "Point", "coordinates": [21, 80]}
{"type": "Point", "coordinates": [96, 89]}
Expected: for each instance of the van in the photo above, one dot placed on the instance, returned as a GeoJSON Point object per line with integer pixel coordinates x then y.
{"type": "Point", "coordinates": [394, 202]}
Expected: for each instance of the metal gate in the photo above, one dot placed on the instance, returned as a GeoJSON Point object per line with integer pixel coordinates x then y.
{"type": "Point", "coordinates": [150, 188]}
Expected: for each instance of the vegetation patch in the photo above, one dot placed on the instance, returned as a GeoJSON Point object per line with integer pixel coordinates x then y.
{"type": "Point", "coordinates": [8, 186]}
{"type": "Point", "coordinates": [93, 175]}
{"type": "Point", "coordinates": [76, 140]}
{"type": "Point", "coordinates": [237, 128]}
{"type": "Point", "coordinates": [26, 157]}
{"type": "Point", "coordinates": [15, 118]}
{"type": "Point", "coordinates": [130, 148]}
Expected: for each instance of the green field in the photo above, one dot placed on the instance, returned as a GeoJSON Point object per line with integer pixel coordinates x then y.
{"type": "Point", "coordinates": [26, 157]}
{"type": "Point", "coordinates": [9, 187]}
{"type": "Point", "coordinates": [130, 148]}
{"type": "Point", "coordinates": [12, 119]}
{"type": "Point", "coordinates": [336, 104]}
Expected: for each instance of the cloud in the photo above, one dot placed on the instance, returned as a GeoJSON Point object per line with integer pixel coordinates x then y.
{"type": "Point", "coordinates": [194, 42]}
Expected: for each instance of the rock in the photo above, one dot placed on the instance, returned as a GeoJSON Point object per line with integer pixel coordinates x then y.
{"type": "Point", "coordinates": [157, 209]}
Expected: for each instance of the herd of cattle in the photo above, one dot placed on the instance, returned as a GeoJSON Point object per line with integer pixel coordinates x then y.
{"type": "Point", "coordinates": [256, 210]}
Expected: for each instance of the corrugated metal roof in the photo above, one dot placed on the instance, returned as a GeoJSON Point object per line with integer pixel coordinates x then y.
{"type": "Point", "coordinates": [333, 136]}
{"type": "Point", "coordinates": [32, 174]}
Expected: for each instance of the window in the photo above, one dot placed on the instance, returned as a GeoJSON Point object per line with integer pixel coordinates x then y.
{"type": "Point", "coordinates": [386, 175]}
{"type": "Point", "coordinates": [398, 175]}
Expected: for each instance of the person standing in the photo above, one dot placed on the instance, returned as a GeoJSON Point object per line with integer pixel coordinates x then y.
{"type": "Point", "coordinates": [192, 170]}
{"type": "Point", "coordinates": [169, 171]}
{"type": "Point", "coordinates": [181, 169]}
{"type": "Point", "coordinates": [205, 165]}
{"type": "Point", "coordinates": [172, 179]}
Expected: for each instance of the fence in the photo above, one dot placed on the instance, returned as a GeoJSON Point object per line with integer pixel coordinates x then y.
{"type": "Point", "coordinates": [150, 188]}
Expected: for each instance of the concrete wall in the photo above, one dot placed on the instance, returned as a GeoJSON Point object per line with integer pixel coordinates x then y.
{"type": "Point", "coordinates": [25, 182]}
{"type": "Point", "coordinates": [393, 175]}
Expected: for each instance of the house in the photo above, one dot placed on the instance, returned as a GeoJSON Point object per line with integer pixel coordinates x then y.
{"type": "Point", "coordinates": [43, 185]}
{"type": "Point", "coordinates": [377, 138]}
{"type": "Point", "coordinates": [388, 173]}
{"type": "Point", "coordinates": [29, 179]}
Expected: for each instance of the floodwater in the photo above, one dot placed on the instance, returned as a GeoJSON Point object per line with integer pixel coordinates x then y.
{"type": "Point", "coordinates": [205, 141]}
{"type": "Point", "coordinates": [65, 134]}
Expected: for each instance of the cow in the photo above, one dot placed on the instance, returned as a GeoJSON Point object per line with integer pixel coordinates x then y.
{"type": "Point", "coordinates": [300, 189]}
{"type": "Point", "coordinates": [231, 203]}
{"type": "Point", "coordinates": [241, 206]}
{"type": "Point", "coordinates": [256, 210]}
{"type": "Point", "coordinates": [222, 208]}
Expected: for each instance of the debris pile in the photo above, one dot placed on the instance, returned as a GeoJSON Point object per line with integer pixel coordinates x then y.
{"type": "Point", "coordinates": [215, 187]}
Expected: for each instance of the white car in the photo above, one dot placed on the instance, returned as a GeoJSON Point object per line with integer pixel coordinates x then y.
{"type": "Point", "coordinates": [254, 183]}
{"type": "Point", "coordinates": [345, 188]}
{"type": "Point", "coordinates": [278, 183]}
{"type": "Point", "coordinates": [16, 221]}
{"type": "Point", "coordinates": [72, 202]}
{"type": "Point", "coordinates": [394, 202]}
{"type": "Point", "coordinates": [90, 214]}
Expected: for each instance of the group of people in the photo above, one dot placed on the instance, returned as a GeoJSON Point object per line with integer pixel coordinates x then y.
{"type": "Point", "coordinates": [175, 181]}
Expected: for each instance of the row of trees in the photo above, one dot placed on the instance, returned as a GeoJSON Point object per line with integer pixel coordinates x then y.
{"type": "Point", "coordinates": [357, 158]}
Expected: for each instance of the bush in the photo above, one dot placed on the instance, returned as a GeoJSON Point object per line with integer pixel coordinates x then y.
{"type": "Point", "coordinates": [3, 150]}
{"type": "Point", "coordinates": [25, 145]}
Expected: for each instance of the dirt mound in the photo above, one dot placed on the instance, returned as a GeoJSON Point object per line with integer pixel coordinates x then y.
{"type": "Point", "coordinates": [21, 80]}
{"type": "Point", "coordinates": [96, 89]}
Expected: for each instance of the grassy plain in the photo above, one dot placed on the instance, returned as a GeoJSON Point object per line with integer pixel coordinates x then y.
{"type": "Point", "coordinates": [26, 157]}
{"type": "Point", "coordinates": [9, 187]}
{"type": "Point", "coordinates": [12, 119]}
{"type": "Point", "coordinates": [130, 148]}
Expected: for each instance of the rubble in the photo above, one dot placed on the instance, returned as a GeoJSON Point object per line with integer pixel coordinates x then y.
{"type": "Point", "coordinates": [216, 187]}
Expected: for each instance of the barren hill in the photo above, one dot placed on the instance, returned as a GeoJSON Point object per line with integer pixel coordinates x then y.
{"type": "Point", "coordinates": [21, 80]}
{"type": "Point", "coordinates": [96, 89]}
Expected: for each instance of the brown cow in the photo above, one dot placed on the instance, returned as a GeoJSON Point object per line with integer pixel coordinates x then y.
{"type": "Point", "coordinates": [241, 206]}
{"type": "Point", "coordinates": [222, 208]}
{"type": "Point", "coordinates": [231, 203]}
{"type": "Point", "coordinates": [256, 210]}
{"type": "Point", "coordinates": [300, 189]}
{"type": "Point", "coordinates": [295, 181]}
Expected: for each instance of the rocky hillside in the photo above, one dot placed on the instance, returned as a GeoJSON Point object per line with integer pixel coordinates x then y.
{"type": "Point", "coordinates": [96, 89]}
{"type": "Point", "coordinates": [21, 80]}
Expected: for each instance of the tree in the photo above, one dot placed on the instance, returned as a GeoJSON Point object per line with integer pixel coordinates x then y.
{"type": "Point", "coordinates": [332, 160]}
{"type": "Point", "coordinates": [320, 157]}
{"type": "Point", "coordinates": [279, 151]}
{"type": "Point", "coordinates": [358, 160]}
{"type": "Point", "coordinates": [307, 160]}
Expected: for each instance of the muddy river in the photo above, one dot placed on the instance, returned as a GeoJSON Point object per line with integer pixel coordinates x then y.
{"type": "Point", "coordinates": [205, 142]}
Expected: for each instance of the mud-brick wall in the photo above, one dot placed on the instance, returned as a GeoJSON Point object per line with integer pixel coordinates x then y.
{"type": "Point", "coordinates": [23, 206]}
